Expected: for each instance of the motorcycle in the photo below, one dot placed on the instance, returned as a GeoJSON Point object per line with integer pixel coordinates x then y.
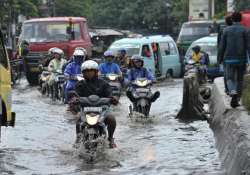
{"type": "Point", "coordinates": [43, 81]}
{"type": "Point", "coordinates": [142, 94]}
{"type": "Point", "coordinates": [16, 71]}
{"type": "Point", "coordinates": [114, 82]}
{"type": "Point", "coordinates": [72, 96]}
{"type": "Point", "coordinates": [199, 69]}
{"type": "Point", "coordinates": [57, 92]}
{"type": "Point", "coordinates": [93, 131]}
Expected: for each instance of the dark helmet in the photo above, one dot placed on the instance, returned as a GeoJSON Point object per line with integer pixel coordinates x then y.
{"type": "Point", "coordinates": [196, 48]}
{"type": "Point", "coordinates": [123, 51]}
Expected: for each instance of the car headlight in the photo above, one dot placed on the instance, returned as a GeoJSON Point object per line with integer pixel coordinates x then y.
{"type": "Point", "coordinates": [141, 83]}
{"type": "Point", "coordinates": [92, 119]}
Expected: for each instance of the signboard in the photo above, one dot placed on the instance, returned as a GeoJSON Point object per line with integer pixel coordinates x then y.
{"type": "Point", "coordinates": [201, 9]}
{"type": "Point", "coordinates": [230, 5]}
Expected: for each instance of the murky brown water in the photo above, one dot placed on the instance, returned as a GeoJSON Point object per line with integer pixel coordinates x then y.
{"type": "Point", "coordinates": [42, 140]}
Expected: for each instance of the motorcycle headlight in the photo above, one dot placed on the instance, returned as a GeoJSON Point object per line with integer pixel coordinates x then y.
{"type": "Point", "coordinates": [112, 77]}
{"type": "Point", "coordinates": [92, 119]}
{"type": "Point", "coordinates": [141, 83]}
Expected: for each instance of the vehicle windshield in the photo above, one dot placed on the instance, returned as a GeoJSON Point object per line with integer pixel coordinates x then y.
{"type": "Point", "coordinates": [132, 49]}
{"type": "Point", "coordinates": [48, 32]}
{"type": "Point", "coordinates": [193, 32]}
{"type": "Point", "coordinates": [209, 48]}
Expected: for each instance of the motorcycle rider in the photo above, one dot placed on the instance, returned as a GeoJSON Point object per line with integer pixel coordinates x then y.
{"type": "Point", "coordinates": [56, 64]}
{"type": "Point", "coordinates": [72, 70]}
{"type": "Point", "coordinates": [122, 58]}
{"type": "Point", "coordinates": [92, 85]}
{"type": "Point", "coordinates": [70, 60]}
{"type": "Point", "coordinates": [138, 71]}
{"type": "Point", "coordinates": [201, 58]}
{"type": "Point", "coordinates": [198, 56]}
{"type": "Point", "coordinates": [109, 67]}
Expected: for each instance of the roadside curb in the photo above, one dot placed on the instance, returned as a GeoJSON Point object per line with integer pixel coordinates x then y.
{"type": "Point", "coordinates": [231, 129]}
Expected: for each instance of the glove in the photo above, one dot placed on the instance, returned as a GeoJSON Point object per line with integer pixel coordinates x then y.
{"type": "Point", "coordinates": [114, 100]}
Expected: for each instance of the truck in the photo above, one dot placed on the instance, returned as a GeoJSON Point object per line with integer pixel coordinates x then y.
{"type": "Point", "coordinates": [201, 9]}
{"type": "Point", "coordinates": [7, 117]}
{"type": "Point", "coordinates": [246, 18]}
{"type": "Point", "coordinates": [41, 34]}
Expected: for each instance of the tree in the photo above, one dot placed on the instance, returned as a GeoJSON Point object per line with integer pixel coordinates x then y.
{"type": "Point", "coordinates": [241, 5]}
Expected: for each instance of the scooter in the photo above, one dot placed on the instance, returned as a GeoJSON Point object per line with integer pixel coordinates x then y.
{"type": "Point", "coordinates": [199, 69]}
{"type": "Point", "coordinates": [58, 87]}
{"type": "Point", "coordinates": [43, 81]}
{"type": "Point", "coordinates": [114, 82]}
{"type": "Point", "coordinates": [93, 131]}
{"type": "Point", "coordinates": [142, 94]}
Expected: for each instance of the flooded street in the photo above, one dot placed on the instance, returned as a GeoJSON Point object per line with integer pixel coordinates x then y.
{"type": "Point", "coordinates": [41, 142]}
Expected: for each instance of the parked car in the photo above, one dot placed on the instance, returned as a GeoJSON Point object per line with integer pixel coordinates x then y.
{"type": "Point", "coordinates": [209, 45]}
{"type": "Point", "coordinates": [160, 53]}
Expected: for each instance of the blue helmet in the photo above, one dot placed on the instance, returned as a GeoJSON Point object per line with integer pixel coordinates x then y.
{"type": "Point", "coordinates": [123, 50]}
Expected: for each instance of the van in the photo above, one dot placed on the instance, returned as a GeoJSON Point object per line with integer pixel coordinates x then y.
{"type": "Point", "coordinates": [7, 117]}
{"type": "Point", "coordinates": [160, 53]}
{"type": "Point", "coordinates": [191, 31]}
{"type": "Point", "coordinates": [66, 33]}
{"type": "Point", "coordinates": [208, 45]}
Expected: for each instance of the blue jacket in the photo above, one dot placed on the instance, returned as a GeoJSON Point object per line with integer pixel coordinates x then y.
{"type": "Point", "coordinates": [72, 69]}
{"type": "Point", "coordinates": [133, 74]}
{"type": "Point", "coordinates": [234, 45]}
{"type": "Point", "coordinates": [106, 68]}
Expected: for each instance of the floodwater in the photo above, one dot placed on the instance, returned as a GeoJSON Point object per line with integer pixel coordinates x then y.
{"type": "Point", "coordinates": [42, 141]}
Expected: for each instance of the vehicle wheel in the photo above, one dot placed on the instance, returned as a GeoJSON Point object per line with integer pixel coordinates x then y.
{"type": "Point", "coordinates": [143, 110]}
{"type": "Point", "coordinates": [169, 74]}
{"type": "Point", "coordinates": [32, 78]}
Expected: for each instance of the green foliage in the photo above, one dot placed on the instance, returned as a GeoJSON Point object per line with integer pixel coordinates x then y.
{"type": "Point", "coordinates": [246, 93]}
{"type": "Point", "coordinates": [241, 5]}
{"type": "Point", "coordinates": [162, 16]}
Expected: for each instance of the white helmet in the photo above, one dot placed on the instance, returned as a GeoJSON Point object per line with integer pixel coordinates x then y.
{"type": "Point", "coordinates": [81, 48]}
{"type": "Point", "coordinates": [58, 51]}
{"type": "Point", "coordinates": [78, 53]}
{"type": "Point", "coordinates": [51, 50]}
{"type": "Point", "coordinates": [89, 65]}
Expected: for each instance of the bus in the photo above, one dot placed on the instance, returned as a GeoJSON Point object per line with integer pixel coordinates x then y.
{"type": "Point", "coordinates": [7, 117]}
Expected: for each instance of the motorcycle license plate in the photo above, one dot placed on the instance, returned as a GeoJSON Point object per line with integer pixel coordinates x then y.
{"type": "Point", "coordinates": [142, 90]}
{"type": "Point", "coordinates": [92, 109]}
{"type": "Point", "coordinates": [34, 69]}
{"type": "Point", "coordinates": [92, 131]}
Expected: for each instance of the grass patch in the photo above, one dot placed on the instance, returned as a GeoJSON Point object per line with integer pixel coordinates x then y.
{"type": "Point", "coordinates": [246, 92]}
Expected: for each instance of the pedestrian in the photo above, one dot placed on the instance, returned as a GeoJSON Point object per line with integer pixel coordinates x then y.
{"type": "Point", "coordinates": [229, 22]}
{"type": "Point", "coordinates": [233, 52]}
